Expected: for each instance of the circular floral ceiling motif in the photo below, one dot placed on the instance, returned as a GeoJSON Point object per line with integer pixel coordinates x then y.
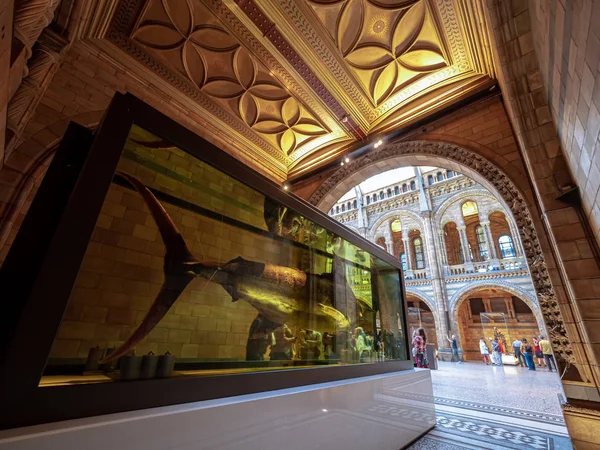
{"type": "Point", "coordinates": [388, 44]}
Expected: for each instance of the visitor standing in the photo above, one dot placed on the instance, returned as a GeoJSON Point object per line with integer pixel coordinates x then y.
{"type": "Point", "coordinates": [548, 356]}
{"type": "Point", "coordinates": [485, 352]}
{"type": "Point", "coordinates": [496, 352]}
{"type": "Point", "coordinates": [518, 355]}
{"type": "Point", "coordinates": [420, 349]}
{"type": "Point", "coordinates": [454, 345]}
{"type": "Point", "coordinates": [538, 352]}
{"type": "Point", "coordinates": [527, 352]}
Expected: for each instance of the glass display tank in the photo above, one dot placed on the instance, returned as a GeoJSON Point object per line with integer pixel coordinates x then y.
{"type": "Point", "coordinates": [494, 326]}
{"type": "Point", "coordinates": [194, 266]}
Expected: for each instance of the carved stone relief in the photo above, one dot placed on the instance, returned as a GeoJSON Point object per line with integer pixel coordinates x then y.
{"type": "Point", "coordinates": [188, 38]}
{"type": "Point", "coordinates": [387, 46]}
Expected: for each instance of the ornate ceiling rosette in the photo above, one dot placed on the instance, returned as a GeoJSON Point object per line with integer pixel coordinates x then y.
{"type": "Point", "coordinates": [388, 45]}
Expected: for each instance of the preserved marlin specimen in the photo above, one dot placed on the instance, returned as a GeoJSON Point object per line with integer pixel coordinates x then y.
{"type": "Point", "coordinates": [280, 294]}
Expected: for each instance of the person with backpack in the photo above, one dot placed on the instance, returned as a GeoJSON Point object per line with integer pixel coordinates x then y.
{"type": "Point", "coordinates": [527, 352]}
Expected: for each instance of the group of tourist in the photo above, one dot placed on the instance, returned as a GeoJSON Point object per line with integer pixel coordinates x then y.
{"type": "Point", "coordinates": [524, 351]}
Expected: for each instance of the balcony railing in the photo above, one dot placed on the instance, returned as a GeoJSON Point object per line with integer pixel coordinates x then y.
{"type": "Point", "coordinates": [493, 265]}
{"type": "Point", "coordinates": [416, 274]}
{"type": "Point", "coordinates": [473, 269]}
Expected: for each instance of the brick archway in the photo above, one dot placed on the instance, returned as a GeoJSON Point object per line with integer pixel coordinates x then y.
{"type": "Point", "coordinates": [487, 172]}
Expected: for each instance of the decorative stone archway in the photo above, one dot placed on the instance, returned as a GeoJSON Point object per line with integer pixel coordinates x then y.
{"type": "Point", "coordinates": [460, 296]}
{"type": "Point", "coordinates": [468, 162]}
{"type": "Point", "coordinates": [431, 305]}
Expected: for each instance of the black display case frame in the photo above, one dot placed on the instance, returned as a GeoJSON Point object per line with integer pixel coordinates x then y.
{"type": "Point", "coordinates": [38, 300]}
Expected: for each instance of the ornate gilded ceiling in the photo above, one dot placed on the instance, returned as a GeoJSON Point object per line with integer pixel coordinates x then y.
{"type": "Point", "coordinates": [296, 83]}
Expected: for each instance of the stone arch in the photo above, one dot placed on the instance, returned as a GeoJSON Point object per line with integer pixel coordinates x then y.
{"type": "Point", "coordinates": [471, 163]}
{"type": "Point", "coordinates": [463, 197]}
{"type": "Point", "coordinates": [424, 298]}
{"type": "Point", "coordinates": [431, 305]}
{"type": "Point", "coordinates": [462, 294]}
{"type": "Point", "coordinates": [393, 214]}
{"type": "Point", "coordinates": [37, 151]}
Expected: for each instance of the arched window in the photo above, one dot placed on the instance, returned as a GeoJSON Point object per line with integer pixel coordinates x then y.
{"type": "Point", "coordinates": [396, 190]}
{"type": "Point", "coordinates": [440, 177]}
{"type": "Point", "coordinates": [403, 261]}
{"type": "Point", "coordinates": [381, 196]}
{"type": "Point", "coordinates": [506, 246]}
{"type": "Point", "coordinates": [413, 186]}
{"type": "Point", "coordinates": [389, 193]}
{"type": "Point", "coordinates": [349, 206]}
{"type": "Point", "coordinates": [332, 211]}
{"type": "Point", "coordinates": [449, 174]}
{"type": "Point", "coordinates": [337, 209]}
{"type": "Point", "coordinates": [343, 208]}
{"type": "Point", "coordinates": [368, 200]}
{"type": "Point", "coordinates": [481, 241]}
{"type": "Point", "coordinates": [418, 245]}
{"type": "Point", "coordinates": [374, 197]}
{"type": "Point", "coordinates": [404, 188]}
{"type": "Point", "coordinates": [354, 203]}
{"type": "Point", "coordinates": [469, 208]}
{"type": "Point", "coordinates": [429, 180]}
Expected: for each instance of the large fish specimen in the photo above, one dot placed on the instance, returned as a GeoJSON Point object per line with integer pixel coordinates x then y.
{"type": "Point", "coordinates": [280, 294]}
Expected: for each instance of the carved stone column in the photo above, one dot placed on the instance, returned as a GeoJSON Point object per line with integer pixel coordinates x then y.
{"type": "Point", "coordinates": [464, 243]}
{"type": "Point", "coordinates": [438, 282]}
{"type": "Point", "coordinates": [516, 239]}
{"type": "Point", "coordinates": [389, 243]}
{"type": "Point", "coordinates": [443, 252]}
{"type": "Point", "coordinates": [408, 253]}
{"type": "Point", "coordinates": [31, 17]}
{"type": "Point", "coordinates": [487, 304]}
{"type": "Point", "coordinates": [510, 307]}
{"type": "Point", "coordinates": [42, 65]}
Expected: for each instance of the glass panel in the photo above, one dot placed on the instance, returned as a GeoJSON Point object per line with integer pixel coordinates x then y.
{"type": "Point", "coordinates": [469, 208]}
{"type": "Point", "coordinates": [419, 253]}
{"type": "Point", "coordinates": [190, 266]}
{"type": "Point", "coordinates": [494, 326]}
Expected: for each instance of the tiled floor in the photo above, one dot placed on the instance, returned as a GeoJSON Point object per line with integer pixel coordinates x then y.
{"type": "Point", "coordinates": [485, 407]}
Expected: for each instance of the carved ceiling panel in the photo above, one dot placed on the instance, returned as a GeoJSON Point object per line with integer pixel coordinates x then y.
{"type": "Point", "coordinates": [294, 84]}
{"type": "Point", "coordinates": [189, 38]}
{"type": "Point", "coordinates": [387, 45]}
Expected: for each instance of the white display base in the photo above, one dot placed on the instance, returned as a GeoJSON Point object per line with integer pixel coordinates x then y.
{"type": "Point", "coordinates": [509, 360]}
{"type": "Point", "coordinates": [383, 412]}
